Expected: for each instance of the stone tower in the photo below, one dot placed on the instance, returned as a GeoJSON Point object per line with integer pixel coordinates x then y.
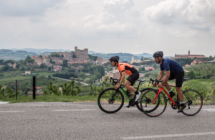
{"type": "Point", "coordinates": [132, 59]}
{"type": "Point", "coordinates": [81, 53]}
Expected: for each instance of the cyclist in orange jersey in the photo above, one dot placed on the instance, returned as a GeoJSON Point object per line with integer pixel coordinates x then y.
{"type": "Point", "coordinates": [124, 69]}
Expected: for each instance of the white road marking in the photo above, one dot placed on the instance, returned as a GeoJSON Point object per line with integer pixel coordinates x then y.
{"type": "Point", "coordinates": [11, 111]}
{"type": "Point", "coordinates": [166, 136]}
{"type": "Point", "coordinates": [75, 110]}
{"type": "Point", "coordinates": [3, 102]}
{"type": "Point", "coordinates": [210, 109]}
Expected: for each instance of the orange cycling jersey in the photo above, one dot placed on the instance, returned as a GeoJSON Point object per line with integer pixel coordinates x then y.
{"type": "Point", "coordinates": [128, 69]}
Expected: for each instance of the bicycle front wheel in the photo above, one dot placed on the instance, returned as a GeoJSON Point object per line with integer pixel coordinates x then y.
{"type": "Point", "coordinates": [150, 107]}
{"type": "Point", "coordinates": [194, 102]}
{"type": "Point", "coordinates": [110, 100]}
{"type": "Point", "coordinates": [139, 101]}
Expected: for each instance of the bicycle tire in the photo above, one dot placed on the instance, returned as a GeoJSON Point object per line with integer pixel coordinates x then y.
{"type": "Point", "coordinates": [161, 95]}
{"type": "Point", "coordinates": [139, 106]}
{"type": "Point", "coordinates": [188, 106]}
{"type": "Point", "coordinates": [99, 102]}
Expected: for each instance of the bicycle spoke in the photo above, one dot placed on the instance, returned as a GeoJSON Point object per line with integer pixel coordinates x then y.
{"type": "Point", "coordinates": [193, 102]}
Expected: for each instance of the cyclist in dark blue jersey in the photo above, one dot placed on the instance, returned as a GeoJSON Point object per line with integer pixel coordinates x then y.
{"type": "Point", "coordinates": [173, 71]}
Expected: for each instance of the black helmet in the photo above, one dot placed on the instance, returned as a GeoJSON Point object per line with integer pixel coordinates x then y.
{"type": "Point", "coordinates": [114, 58]}
{"type": "Point", "coordinates": [158, 54]}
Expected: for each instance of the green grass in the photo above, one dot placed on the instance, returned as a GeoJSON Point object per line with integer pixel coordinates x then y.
{"type": "Point", "coordinates": [52, 98]}
{"type": "Point", "coordinates": [201, 84]}
{"type": "Point", "coordinates": [15, 78]}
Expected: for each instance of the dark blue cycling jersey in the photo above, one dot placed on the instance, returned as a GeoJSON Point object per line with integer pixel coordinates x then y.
{"type": "Point", "coordinates": [168, 64]}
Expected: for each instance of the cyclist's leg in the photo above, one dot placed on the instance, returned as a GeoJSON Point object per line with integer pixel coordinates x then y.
{"type": "Point", "coordinates": [130, 82]}
{"type": "Point", "coordinates": [171, 77]}
{"type": "Point", "coordinates": [179, 82]}
{"type": "Point", "coordinates": [129, 86]}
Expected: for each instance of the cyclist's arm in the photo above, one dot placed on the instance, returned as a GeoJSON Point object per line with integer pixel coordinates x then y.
{"type": "Point", "coordinates": [160, 75]}
{"type": "Point", "coordinates": [122, 77]}
{"type": "Point", "coordinates": [166, 78]}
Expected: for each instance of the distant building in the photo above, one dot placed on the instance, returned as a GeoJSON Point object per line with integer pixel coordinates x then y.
{"type": "Point", "coordinates": [99, 61]}
{"type": "Point", "coordinates": [198, 62]}
{"type": "Point", "coordinates": [105, 61]}
{"type": "Point", "coordinates": [113, 74]}
{"type": "Point", "coordinates": [81, 53]}
{"type": "Point", "coordinates": [9, 64]}
{"type": "Point", "coordinates": [14, 65]}
{"type": "Point", "coordinates": [188, 56]}
{"type": "Point", "coordinates": [150, 68]}
{"type": "Point", "coordinates": [57, 68]}
{"type": "Point", "coordinates": [135, 61]}
{"type": "Point", "coordinates": [27, 73]}
{"type": "Point", "coordinates": [38, 91]}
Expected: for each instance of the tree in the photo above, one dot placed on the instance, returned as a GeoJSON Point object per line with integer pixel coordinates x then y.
{"type": "Point", "coordinates": [1, 61]}
{"type": "Point", "coordinates": [43, 65]}
{"type": "Point", "coordinates": [98, 76]}
{"type": "Point", "coordinates": [65, 63]}
{"type": "Point", "coordinates": [10, 92]}
{"type": "Point", "coordinates": [49, 69]}
{"type": "Point", "coordinates": [68, 88]}
{"type": "Point", "coordinates": [192, 74]}
{"type": "Point", "coordinates": [51, 89]}
{"type": "Point", "coordinates": [17, 65]}
{"type": "Point", "coordinates": [61, 56]}
{"type": "Point", "coordinates": [1, 92]}
{"type": "Point", "coordinates": [6, 68]}
{"type": "Point", "coordinates": [155, 66]}
{"type": "Point", "coordinates": [73, 55]}
{"type": "Point", "coordinates": [91, 57]}
{"type": "Point", "coordinates": [9, 61]}
{"type": "Point", "coordinates": [28, 59]}
{"type": "Point", "coordinates": [142, 69]}
{"type": "Point", "coordinates": [141, 59]}
{"type": "Point", "coordinates": [55, 55]}
{"type": "Point", "coordinates": [82, 75]}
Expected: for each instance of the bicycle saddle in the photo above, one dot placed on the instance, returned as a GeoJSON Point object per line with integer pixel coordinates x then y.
{"type": "Point", "coordinates": [186, 79]}
{"type": "Point", "coordinates": [141, 80]}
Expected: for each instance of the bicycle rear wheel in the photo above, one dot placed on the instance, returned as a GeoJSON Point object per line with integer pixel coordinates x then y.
{"type": "Point", "coordinates": [194, 102]}
{"type": "Point", "coordinates": [150, 108]}
{"type": "Point", "coordinates": [110, 100]}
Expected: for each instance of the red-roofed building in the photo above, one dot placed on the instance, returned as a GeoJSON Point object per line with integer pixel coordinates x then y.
{"type": "Point", "coordinates": [188, 56]}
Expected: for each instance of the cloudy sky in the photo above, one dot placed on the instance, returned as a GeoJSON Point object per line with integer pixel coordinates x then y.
{"type": "Point", "coordinates": [132, 26]}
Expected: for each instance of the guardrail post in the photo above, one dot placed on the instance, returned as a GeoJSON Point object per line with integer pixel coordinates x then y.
{"type": "Point", "coordinates": [34, 87]}
{"type": "Point", "coordinates": [16, 89]}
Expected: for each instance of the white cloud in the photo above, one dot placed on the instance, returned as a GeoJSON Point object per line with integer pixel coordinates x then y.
{"type": "Point", "coordinates": [26, 7]}
{"type": "Point", "coordinates": [117, 6]}
{"type": "Point", "coordinates": [197, 14]}
{"type": "Point", "coordinates": [109, 25]}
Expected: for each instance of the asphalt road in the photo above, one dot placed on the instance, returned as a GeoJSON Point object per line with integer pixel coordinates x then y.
{"type": "Point", "coordinates": [85, 121]}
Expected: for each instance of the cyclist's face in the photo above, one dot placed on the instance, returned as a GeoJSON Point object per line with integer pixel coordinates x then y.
{"type": "Point", "coordinates": [112, 63]}
{"type": "Point", "coordinates": [156, 59]}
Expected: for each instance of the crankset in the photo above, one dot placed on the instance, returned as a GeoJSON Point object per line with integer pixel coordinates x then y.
{"type": "Point", "coordinates": [132, 102]}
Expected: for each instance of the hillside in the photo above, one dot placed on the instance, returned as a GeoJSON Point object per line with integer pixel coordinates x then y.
{"type": "Point", "coordinates": [201, 71]}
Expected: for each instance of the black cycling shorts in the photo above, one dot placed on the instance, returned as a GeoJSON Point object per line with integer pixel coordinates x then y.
{"type": "Point", "coordinates": [179, 78]}
{"type": "Point", "coordinates": [132, 78]}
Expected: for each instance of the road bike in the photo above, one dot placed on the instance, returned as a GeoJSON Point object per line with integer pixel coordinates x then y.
{"type": "Point", "coordinates": [111, 100]}
{"type": "Point", "coordinates": [156, 98]}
